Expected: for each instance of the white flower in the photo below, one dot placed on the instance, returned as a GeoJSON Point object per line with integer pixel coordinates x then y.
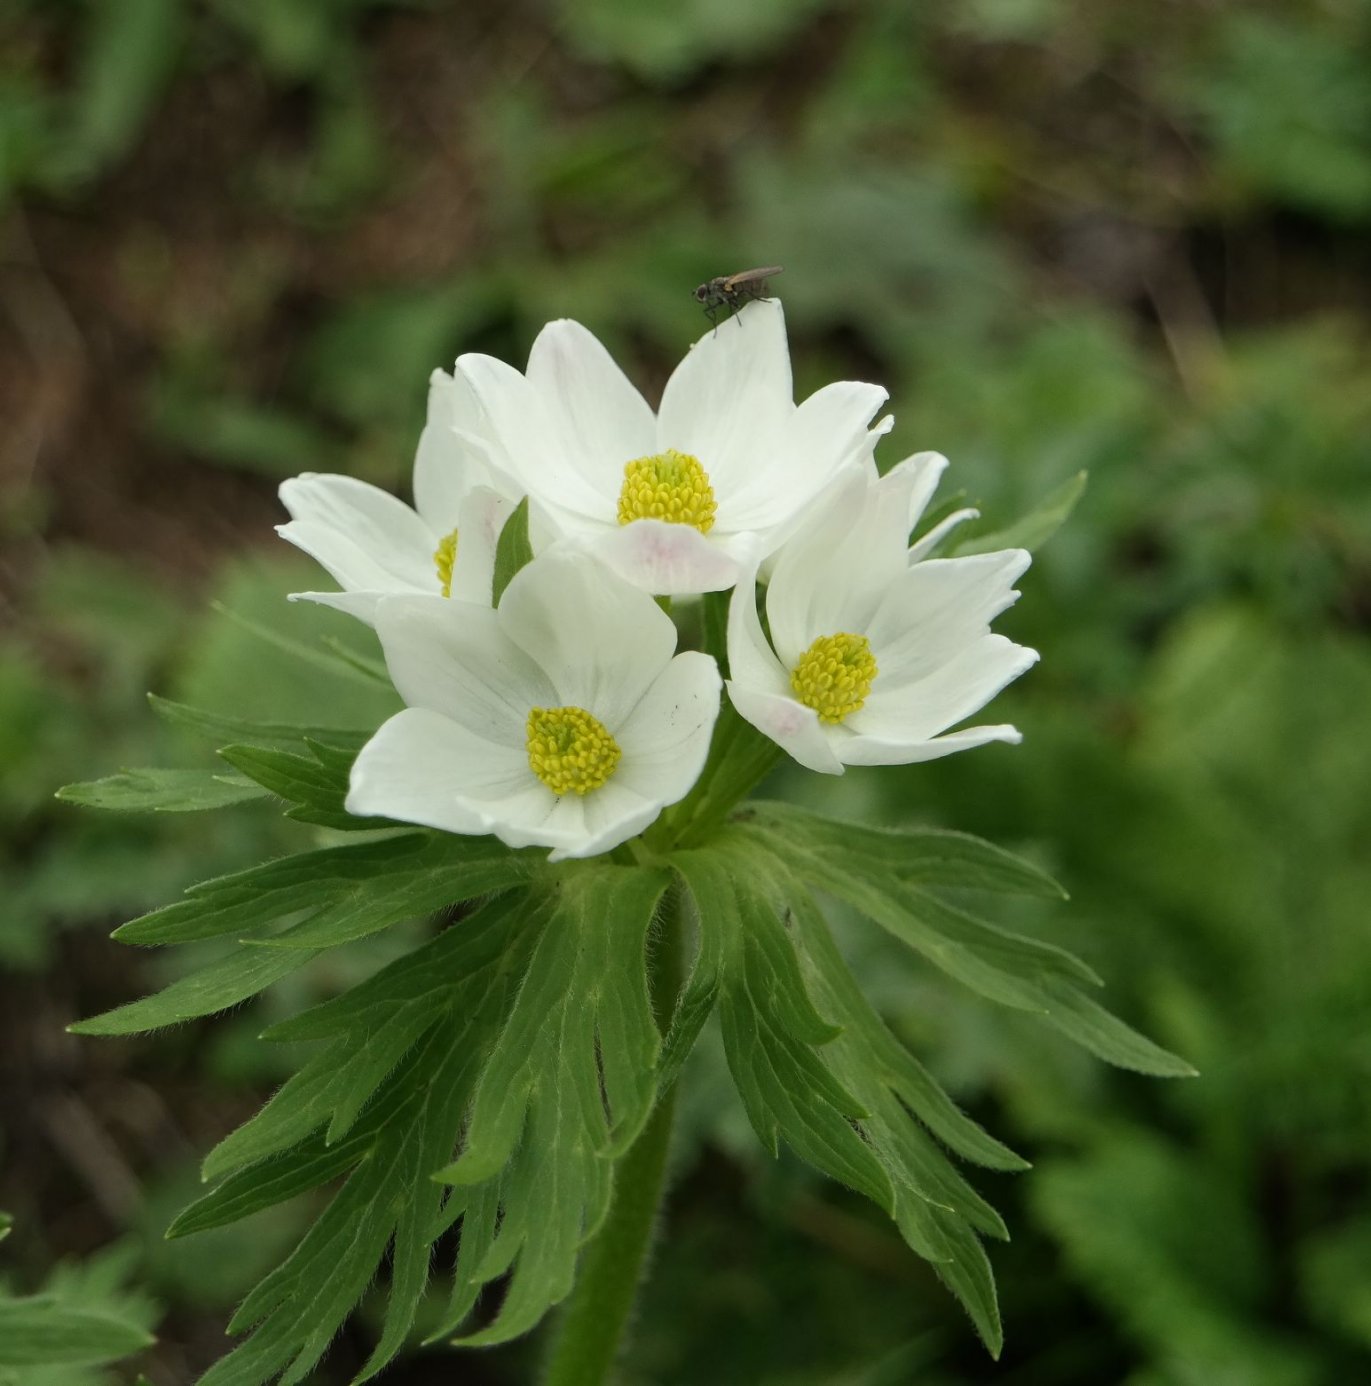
{"type": "Point", "coordinates": [877, 651]}
{"type": "Point", "coordinates": [682, 501]}
{"type": "Point", "coordinates": [376, 546]}
{"type": "Point", "coordinates": [560, 719]}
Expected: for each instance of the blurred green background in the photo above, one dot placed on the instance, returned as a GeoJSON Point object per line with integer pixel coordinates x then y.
{"type": "Point", "coordinates": [1130, 237]}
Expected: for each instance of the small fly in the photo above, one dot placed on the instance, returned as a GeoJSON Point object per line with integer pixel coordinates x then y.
{"type": "Point", "coordinates": [731, 291]}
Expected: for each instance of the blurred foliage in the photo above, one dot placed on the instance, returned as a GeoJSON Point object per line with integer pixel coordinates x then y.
{"type": "Point", "coordinates": [1126, 239]}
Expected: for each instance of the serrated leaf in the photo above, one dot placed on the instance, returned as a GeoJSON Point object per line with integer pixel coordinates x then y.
{"type": "Point", "coordinates": [1033, 530]}
{"type": "Point", "coordinates": [512, 551]}
{"type": "Point", "coordinates": [41, 1331]}
{"type": "Point", "coordinates": [315, 784]}
{"type": "Point", "coordinates": [163, 791]}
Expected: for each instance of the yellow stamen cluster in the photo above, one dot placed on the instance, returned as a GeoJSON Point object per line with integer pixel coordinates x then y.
{"type": "Point", "coordinates": [669, 486]}
{"type": "Point", "coordinates": [834, 676]}
{"type": "Point", "coordinates": [444, 556]}
{"type": "Point", "coordinates": [569, 750]}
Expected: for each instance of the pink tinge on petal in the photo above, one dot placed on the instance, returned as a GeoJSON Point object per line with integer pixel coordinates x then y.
{"type": "Point", "coordinates": [792, 726]}
{"type": "Point", "coordinates": [669, 560]}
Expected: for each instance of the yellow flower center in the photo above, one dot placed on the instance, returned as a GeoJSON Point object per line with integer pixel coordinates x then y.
{"type": "Point", "coordinates": [444, 556]}
{"type": "Point", "coordinates": [670, 486]}
{"type": "Point", "coordinates": [834, 675]}
{"type": "Point", "coordinates": [569, 750]}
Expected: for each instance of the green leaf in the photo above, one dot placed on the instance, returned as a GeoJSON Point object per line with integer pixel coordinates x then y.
{"type": "Point", "coordinates": [350, 891]}
{"type": "Point", "coordinates": [512, 551]}
{"type": "Point", "coordinates": [846, 1096]}
{"type": "Point", "coordinates": [1034, 529]}
{"type": "Point", "coordinates": [1007, 968]}
{"type": "Point", "coordinates": [463, 983]}
{"type": "Point", "coordinates": [568, 1087]}
{"type": "Point", "coordinates": [41, 1331]}
{"type": "Point", "coordinates": [921, 856]}
{"type": "Point", "coordinates": [163, 791]}
{"type": "Point", "coordinates": [325, 659]}
{"type": "Point", "coordinates": [219, 727]}
{"type": "Point", "coordinates": [315, 784]}
{"type": "Point", "coordinates": [222, 984]}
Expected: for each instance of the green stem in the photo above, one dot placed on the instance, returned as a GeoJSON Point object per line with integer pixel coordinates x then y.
{"type": "Point", "coordinates": [592, 1324]}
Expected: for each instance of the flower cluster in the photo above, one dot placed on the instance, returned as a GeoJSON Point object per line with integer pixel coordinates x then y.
{"type": "Point", "coordinates": [562, 716]}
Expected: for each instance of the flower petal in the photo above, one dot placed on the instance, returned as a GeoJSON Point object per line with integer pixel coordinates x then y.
{"type": "Point", "coordinates": [926, 543]}
{"type": "Point", "coordinates": [522, 437]}
{"type": "Point", "coordinates": [446, 467]}
{"type": "Point", "coordinates": [584, 827]}
{"type": "Point", "coordinates": [421, 767]}
{"type": "Point", "coordinates": [939, 606]}
{"type": "Point", "coordinates": [925, 470]}
{"type": "Point", "coordinates": [480, 518]}
{"type": "Point", "coordinates": [917, 710]}
{"type": "Point", "coordinates": [666, 737]}
{"type": "Point", "coordinates": [729, 398]}
{"type": "Point", "coordinates": [671, 560]}
{"type": "Point", "coordinates": [452, 658]}
{"type": "Point", "coordinates": [872, 750]}
{"type": "Point", "coordinates": [750, 658]}
{"type": "Point", "coordinates": [600, 419]}
{"type": "Point", "coordinates": [362, 605]}
{"type": "Point", "coordinates": [600, 641]}
{"type": "Point", "coordinates": [827, 433]}
{"type": "Point", "coordinates": [364, 536]}
{"type": "Point", "coordinates": [792, 726]}
{"type": "Point", "coordinates": [833, 575]}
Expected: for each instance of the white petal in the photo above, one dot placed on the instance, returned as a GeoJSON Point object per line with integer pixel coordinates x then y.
{"type": "Point", "coordinates": [729, 398]}
{"type": "Point", "coordinates": [445, 466]}
{"type": "Point", "coordinates": [937, 607]}
{"type": "Point", "coordinates": [827, 433]}
{"type": "Point", "coordinates": [930, 541]}
{"type": "Point", "coordinates": [524, 440]}
{"type": "Point", "coordinates": [600, 641]}
{"type": "Point", "coordinates": [452, 658]}
{"type": "Point", "coordinates": [921, 709]}
{"type": "Point", "coordinates": [671, 560]}
{"type": "Point", "coordinates": [833, 575]}
{"type": "Point", "coordinates": [480, 518]}
{"type": "Point", "coordinates": [600, 419]}
{"type": "Point", "coordinates": [602, 819]}
{"type": "Point", "coordinates": [363, 535]}
{"type": "Point", "coordinates": [750, 659]}
{"type": "Point", "coordinates": [666, 737]}
{"type": "Point", "coordinates": [871, 750]}
{"type": "Point", "coordinates": [420, 767]}
{"type": "Point", "coordinates": [795, 728]}
{"type": "Point", "coordinates": [362, 605]}
{"type": "Point", "coordinates": [925, 470]}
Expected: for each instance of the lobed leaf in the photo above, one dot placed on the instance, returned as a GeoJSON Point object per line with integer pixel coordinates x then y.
{"type": "Point", "coordinates": [569, 1085]}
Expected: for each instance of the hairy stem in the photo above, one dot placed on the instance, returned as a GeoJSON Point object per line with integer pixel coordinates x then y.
{"type": "Point", "coordinates": [592, 1324]}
